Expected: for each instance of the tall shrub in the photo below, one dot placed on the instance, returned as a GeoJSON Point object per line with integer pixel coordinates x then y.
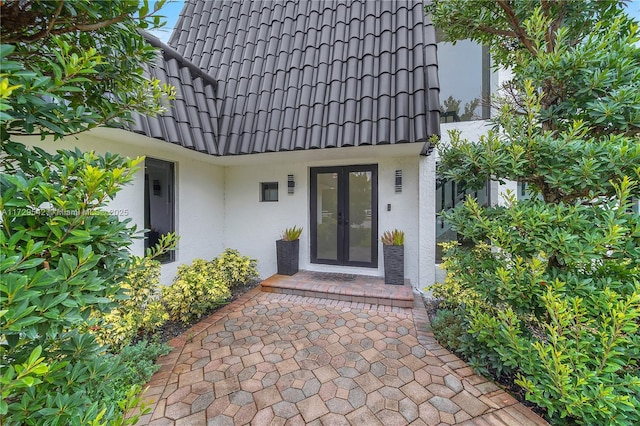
{"type": "Point", "coordinates": [62, 257]}
{"type": "Point", "coordinates": [555, 294]}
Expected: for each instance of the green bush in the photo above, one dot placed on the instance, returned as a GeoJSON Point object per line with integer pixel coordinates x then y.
{"type": "Point", "coordinates": [140, 308]}
{"type": "Point", "coordinates": [63, 251]}
{"type": "Point", "coordinates": [233, 269]}
{"type": "Point", "coordinates": [62, 257]}
{"type": "Point", "coordinates": [195, 290]}
{"type": "Point", "coordinates": [135, 365]}
{"type": "Point", "coordinates": [449, 329]}
{"type": "Point", "coordinates": [452, 329]}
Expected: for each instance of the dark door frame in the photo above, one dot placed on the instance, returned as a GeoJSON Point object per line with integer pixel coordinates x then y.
{"type": "Point", "coordinates": [343, 214]}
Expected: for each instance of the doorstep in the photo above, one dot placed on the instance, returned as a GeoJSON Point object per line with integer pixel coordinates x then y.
{"type": "Point", "coordinates": [343, 287]}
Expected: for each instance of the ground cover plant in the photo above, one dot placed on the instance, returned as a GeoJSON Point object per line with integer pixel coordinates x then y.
{"type": "Point", "coordinates": [550, 291]}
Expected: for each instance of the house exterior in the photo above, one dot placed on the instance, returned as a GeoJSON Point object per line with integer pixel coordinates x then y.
{"type": "Point", "coordinates": [310, 113]}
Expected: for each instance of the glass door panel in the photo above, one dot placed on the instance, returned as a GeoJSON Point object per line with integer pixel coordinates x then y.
{"type": "Point", "coordinates": [327, 216]}
{"type": "Point", "coordinates": [360, 208]}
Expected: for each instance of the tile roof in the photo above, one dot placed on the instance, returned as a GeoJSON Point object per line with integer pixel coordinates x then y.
{"type": "Point", "coordinates": [297, 75]}
{"type": "Point", "coordinates": [192, 119]}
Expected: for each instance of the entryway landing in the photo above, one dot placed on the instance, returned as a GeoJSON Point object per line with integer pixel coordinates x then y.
{"type": "Point", "coordinates": [343, 287]}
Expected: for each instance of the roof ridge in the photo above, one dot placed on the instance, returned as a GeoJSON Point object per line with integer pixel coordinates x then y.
{"type": "Point", "coordinates": [174, 54]}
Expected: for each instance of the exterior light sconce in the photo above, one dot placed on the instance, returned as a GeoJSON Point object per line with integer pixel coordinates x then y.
{"type": "Point", "coordinates": [398, 181]}
{"type": "Point", "coordinates": [291, 184]}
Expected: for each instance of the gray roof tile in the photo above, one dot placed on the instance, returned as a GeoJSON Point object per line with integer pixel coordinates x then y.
{"type": "Point", "coordinates": [283, 75]}
{"type": "Point", "coordinates": [189, 120]}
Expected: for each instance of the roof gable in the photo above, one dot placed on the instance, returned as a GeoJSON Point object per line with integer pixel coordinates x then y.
{"type": "Point", "coordinates": [191, 119]}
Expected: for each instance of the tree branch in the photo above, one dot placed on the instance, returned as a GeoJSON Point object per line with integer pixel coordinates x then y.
{"type": "Point", "coordinates": [102, 24]}
{"type": "Point", "coordinates": [55, 16]}
{"type": "Point", "coordinates": [548, 36]}
{"type": "Point", "coordinates": [505, 5]}
{"type": "Point", "coordinates": [497, 31]}
{"type": "Point", "coordinates": [78, 27]}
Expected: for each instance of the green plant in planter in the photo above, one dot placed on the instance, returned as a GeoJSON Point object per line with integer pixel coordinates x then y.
{"type": "Point", "coordinates": [393, 238]}
{"type": "Point", "coordinates": [291, 234]}
{"type": "Point", "coordinates": [287, 251]}
{"type": "Point", "coordinates": [393, 250]}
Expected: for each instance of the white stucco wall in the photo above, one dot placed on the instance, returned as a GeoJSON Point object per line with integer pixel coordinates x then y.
{"type": "Point", "coordinates": [427, 222]}
{"type": "Point", "coordinates": [199, 191]}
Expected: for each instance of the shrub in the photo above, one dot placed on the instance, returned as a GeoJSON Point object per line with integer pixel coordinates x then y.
{"type": "Point", "coordinates": [449, 329]}
{"type": "Point", "coordinates": [62, 251]}
{"type": "Point", "coordinates": [62, 257]}
{"type": "Point", "coordinates": [452, 329]}
{"type": "Point", "coordinates": [194, 291]}
{"type": "Point", "coordinates": [233, 269]}
{"type": "Point", "coordinates": [140, 308]}
{"type": "Point", "coordinates": [570, 333]}
{"type": "Point", "coordinates": [135, 366]}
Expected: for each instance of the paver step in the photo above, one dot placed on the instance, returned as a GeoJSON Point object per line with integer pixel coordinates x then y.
{"type": "Point", "coordinates": [343, 287]}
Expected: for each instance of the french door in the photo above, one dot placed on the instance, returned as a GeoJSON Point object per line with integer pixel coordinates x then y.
{"type": "Point", "coordinates": [344, 215]}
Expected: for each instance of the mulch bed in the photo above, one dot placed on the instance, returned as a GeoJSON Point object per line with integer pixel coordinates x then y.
{"type": "Point", "coordinates": [506, 381]}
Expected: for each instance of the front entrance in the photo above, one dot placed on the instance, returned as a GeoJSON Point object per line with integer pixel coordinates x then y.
{"type": "Point", "coordinates": [344, 215]}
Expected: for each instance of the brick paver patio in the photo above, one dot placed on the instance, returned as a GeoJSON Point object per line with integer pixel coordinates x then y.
{"type": "Point", "coordinates": [280, 359]}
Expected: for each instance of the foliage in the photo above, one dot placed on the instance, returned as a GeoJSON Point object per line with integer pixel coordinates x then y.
{"type": "Point", "coordinates": [140, 308]}
{"type": "Point", "coordinates": [194, 291]}
{"type": "Point", "coordinates": [62, 256]}
{"type": "Point", "coordinates": [136, 365]}
{"type": "Point", "coordinates": [448, 328]}
{"type": "Point", "coordinates": [552, 288]}
{"type": "Point", "coordinates": [75, 65]}
{"type": "Point", "coordinates": [65, 67]}
{"type": "Point", "coordinates": [231, 268]}
{"type": "Point", "coordinates": [392, 238]}
{"type": "Point", "coordinates": [126, 415]}
{"type": "Point", "coordinates": [451, 328]}
{"type": "Point", "coordinates": [291, 234]}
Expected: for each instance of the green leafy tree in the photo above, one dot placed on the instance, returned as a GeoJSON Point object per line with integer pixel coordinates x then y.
{"type": "Point", "coordinates": [66, 67]}
{"type": "Point", "coordinates": [74, 65]}
{"type": "Point", "coordinates": [555, 294]}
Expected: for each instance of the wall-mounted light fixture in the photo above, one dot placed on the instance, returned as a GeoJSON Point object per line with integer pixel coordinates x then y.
{"type": "Point", "coordinates": [398, 180]}
{"type": "Point", "coordinates": [291, 184]}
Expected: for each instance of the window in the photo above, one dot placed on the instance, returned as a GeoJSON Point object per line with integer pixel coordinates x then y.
{"type": "Point", "coordinates": [159, 203]}
{"type": "Point", "coordinates": [465, 80]}
{"type": "Point", "coordinates": [268, 191]}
